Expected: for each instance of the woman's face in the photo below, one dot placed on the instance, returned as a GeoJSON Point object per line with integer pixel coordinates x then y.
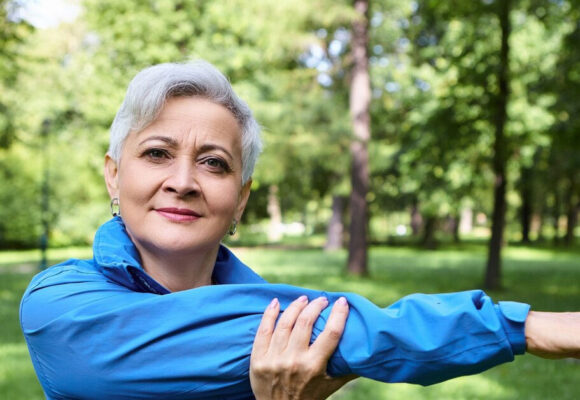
{"type": "Point", "coordinates": [179, 181]}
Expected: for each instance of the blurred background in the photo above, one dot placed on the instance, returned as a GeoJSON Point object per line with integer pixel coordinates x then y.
{"type": "Point", "coordinates": [409, 146]}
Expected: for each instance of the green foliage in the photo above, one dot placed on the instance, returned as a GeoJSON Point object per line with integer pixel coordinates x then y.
{"type": "Point", "coordinates": [12, 35]}
{"type": "Point", "coordinates": [20, 199]}
{"type": "Point", "coordinates": [433, 67]}
{"type": "Point", "coordinates": [564, 171]}
{"type": "Point", "coordinates": [438, 88]}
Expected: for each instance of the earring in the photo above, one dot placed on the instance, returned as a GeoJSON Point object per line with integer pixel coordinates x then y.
{"type": "Point", "coordinates": [115, 208]}
{"type": "Point", "coordinates": [233, 227]}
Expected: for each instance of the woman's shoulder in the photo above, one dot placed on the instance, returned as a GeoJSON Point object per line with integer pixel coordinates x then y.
{"type": "Point", "coordinates": [64, 287]}
{"type": "Point", "coordinates": [69, 271]}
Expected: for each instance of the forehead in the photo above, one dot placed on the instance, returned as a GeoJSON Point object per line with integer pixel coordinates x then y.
{"type": "Point", "coordinates": [197, 111]}
{"type": "Point", "coordinates": [184, 117]}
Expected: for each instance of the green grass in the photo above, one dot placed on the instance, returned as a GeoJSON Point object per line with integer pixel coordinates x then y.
{"type": "Point", "coordinates": [29, 259]}
{"type": "Point", "coordinates": [548, 279]}
{"type": "Point", "coordinates": [17, 378]}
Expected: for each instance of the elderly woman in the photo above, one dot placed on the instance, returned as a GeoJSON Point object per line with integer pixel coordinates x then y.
{"type": "Point", "coordinates": [163, 310]}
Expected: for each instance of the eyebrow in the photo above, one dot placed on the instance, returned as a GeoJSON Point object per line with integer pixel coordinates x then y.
{"type": "Point", "coordinates": [170, 141]}
{"type": "Point", "coordinates": [211, 146]}
{"type": "Point", "coordinates": [174, 143]}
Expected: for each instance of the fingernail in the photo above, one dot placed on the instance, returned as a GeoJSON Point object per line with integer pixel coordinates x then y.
{"type": "Point", "coordinates": [302, 299]}
{"type": "Point", "coordinates": [273, 303]}
{"type": "Point", "coordinates": [323, 299]}
{"type": "Point", "coordinates": [342, 301]}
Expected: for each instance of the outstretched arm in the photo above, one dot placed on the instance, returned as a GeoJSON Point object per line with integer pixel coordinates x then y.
{"type": "Point", "coordinates": [115, 342]}
{"type": "Point", "coordinates": [284, 366]}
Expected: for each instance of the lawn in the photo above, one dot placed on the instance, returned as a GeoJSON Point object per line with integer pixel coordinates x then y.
{"type": "Point", "coordinates": [546, 278]}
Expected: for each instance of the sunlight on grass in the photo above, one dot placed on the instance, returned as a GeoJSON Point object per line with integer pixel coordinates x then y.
{"type": "Point", "coordinates": [540, 254]}
{"type": "Point", "coordinates": [465, 388]}
{"type": "Point", "coordinates": [478, 386]}
{"type": "Point", "coordinates": [554, 289]}
{"type": "Point", "coordinates": [32, 257]}
{"type": "Point", "coordinates": [7, 295]}
{"type": "Point", "coordinates": [17, 378]}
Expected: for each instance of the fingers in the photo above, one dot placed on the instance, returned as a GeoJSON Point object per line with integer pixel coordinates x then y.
{"type": "Point", "coordinates": [266, 328]}
{"type": "Point", "coordinates": [282, 361]}
{"type": "Point", "coordinates": [328, 340]}
{"type": "Point", "coordinates": [286, 323]}
{"type": "Point", "coordinates": [300, 336]}
{"type": "Point", "coordinates": [294, 328]}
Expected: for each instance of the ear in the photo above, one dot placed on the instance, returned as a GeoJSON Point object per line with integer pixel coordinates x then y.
{"type": "Point", "coordinates": [243, 199]}
{"type": "Point", "coordinates": [111, 173]}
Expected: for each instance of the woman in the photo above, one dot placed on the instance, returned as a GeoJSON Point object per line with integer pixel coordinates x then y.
{"type": "Point", "coordinates": [163, 310]}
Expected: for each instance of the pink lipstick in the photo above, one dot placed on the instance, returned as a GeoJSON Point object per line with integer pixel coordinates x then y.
{"type": "Point", "coordinates": [178, 214]}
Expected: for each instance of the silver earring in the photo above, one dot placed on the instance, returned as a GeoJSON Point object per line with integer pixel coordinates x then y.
{"type": "Point", "coordinates": [233, 227]}
{"type": "Point", "coordinates": [115, 208]}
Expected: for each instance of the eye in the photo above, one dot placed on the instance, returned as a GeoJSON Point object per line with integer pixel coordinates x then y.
{"type": "Point", "coordinates": [155, 154]}
{"type": "Point", "coordinates": [216, 164]}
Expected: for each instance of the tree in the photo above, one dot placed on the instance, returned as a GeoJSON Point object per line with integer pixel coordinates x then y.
{"type": "Point", "coordinates": [18, 190]}
{"type": "Point", "coordinates": [565, 144]}
{"type": "Point", "coordinates": [500, 151]}
{"type": "Point", "coordinates": [360, 97]}
{"type": "Point", "coordinates": [467, 45]}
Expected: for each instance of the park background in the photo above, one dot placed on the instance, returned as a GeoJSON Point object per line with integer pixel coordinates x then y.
{"type": "Point", "coordinates": [461, 169]}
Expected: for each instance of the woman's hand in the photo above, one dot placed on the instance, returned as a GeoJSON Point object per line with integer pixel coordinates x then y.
{"type": "Point", "coordinates": [283, 364]}
{"type": "Point", "coordinates": [553, 335]}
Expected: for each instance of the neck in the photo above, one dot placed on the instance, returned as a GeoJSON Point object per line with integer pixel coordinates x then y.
{"type": "Point", "coordinates": [178, 272]}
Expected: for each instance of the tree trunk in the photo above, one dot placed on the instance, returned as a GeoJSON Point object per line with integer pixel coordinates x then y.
{"type": "Point", "coordinates": [416, 219]}
{"type": "Point", "coordinates": [556, 215]}
{"type": "Point", "coordinates": [428, 240]}
{"type": "Point", "coordinates": [360, 97]}
{"type": "Point", "coordinates": [493, 270]}
{"type": "Point", "coordinates": [572, 213]}
{"type": "Point", "coordinates": [526, 208]}
{"type": "Point", "coordinates": [335, 228]}
{"type": "Point", "coordinates": [455, 228]}
{"type": "Point", "coordinates": [275, 213]}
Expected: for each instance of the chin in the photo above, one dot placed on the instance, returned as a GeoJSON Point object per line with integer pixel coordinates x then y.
{"type": "Point", "coordinates": [181, 244]}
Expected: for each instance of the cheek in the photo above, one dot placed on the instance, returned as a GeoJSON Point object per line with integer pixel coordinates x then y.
{"type": "Point", "coordinates": [224, 199]}
{"type": "Point", "coordinates": [135, 184]}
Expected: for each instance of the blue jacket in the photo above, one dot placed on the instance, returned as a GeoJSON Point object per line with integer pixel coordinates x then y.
{"type": "Point", "coordinates": [104, 329]}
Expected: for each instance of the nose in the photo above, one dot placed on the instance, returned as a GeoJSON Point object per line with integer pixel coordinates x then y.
{"type": "Point", "coordinates": [182, 179]}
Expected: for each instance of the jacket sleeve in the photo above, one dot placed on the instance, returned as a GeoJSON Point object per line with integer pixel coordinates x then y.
{"type": "Point", "coordinates": [90, 338]}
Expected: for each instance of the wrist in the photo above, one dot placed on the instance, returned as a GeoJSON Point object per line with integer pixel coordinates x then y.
{"type": "Point", "coordinates": [553, 335]}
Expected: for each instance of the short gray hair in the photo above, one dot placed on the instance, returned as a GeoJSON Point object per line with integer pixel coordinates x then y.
{"type": "Point", "coordinates": [152, 87]}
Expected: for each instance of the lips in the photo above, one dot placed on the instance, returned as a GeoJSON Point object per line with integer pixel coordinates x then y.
{"type": "Point", "coordinates": [178, 214]}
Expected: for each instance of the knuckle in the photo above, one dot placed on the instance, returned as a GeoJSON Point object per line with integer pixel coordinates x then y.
{"type": "Point", "coordinates": [305, 320]}
{"type": "Point", "coordinates": [284, 325]}
{"type": "Point", "coordinates": [292, 366]}
{"type": "Point", "coordinates": [265, 330]}
{"type": "Point", "coordinates": [284, 366]}
{"type": "Point", "coordinates": [260, 368]}
{"type": "Point", "coordinates": [334, 334]}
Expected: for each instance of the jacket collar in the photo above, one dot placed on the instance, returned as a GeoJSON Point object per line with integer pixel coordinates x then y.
{"type": "Point", "coordinates": [117, 258]}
